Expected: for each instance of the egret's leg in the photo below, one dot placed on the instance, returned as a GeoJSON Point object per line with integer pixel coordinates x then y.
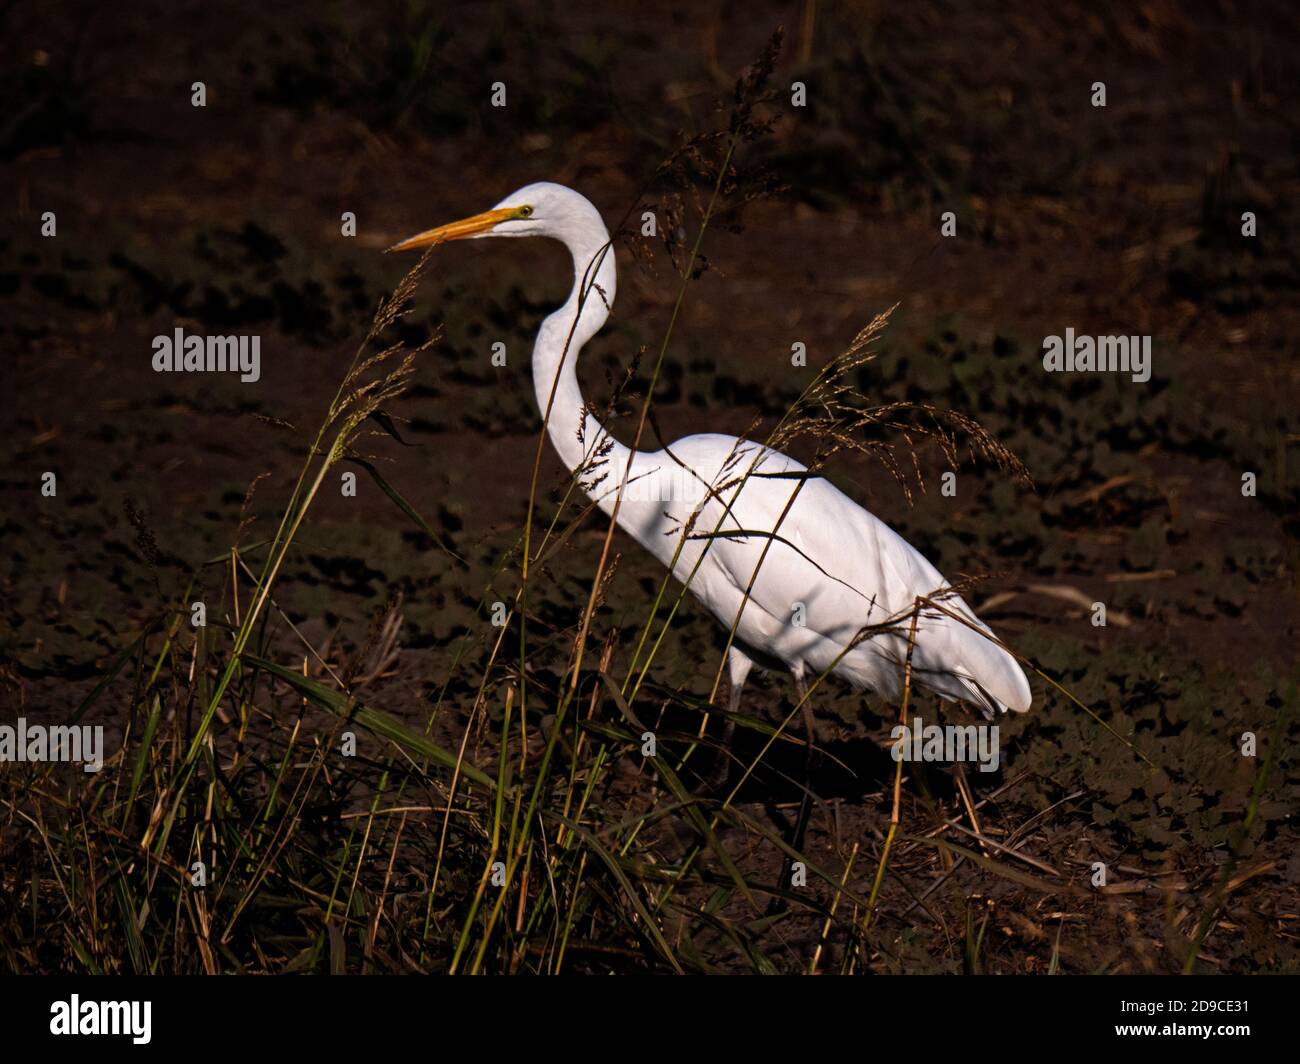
{"type": "Point", "coordinates": [738, 666]}
{"type": "Point", "coordinates": [810, 764]}
{"type": "Point", "coordinates": [801, 691]}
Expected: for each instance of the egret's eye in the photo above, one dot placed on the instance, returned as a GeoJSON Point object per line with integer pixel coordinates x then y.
{"type": "Point", "coordinates": [525, 212]}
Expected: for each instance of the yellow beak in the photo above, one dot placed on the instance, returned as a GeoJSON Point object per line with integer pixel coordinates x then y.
{"type": "Point", "coordinates": [472, 226]}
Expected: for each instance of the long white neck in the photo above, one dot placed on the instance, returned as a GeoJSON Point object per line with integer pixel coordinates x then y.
{"type": "Point", "coordinates": [575, 431]}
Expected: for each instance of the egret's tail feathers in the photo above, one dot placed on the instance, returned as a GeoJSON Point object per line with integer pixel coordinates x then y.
{"type": "Point", "coordinates": [998, 684]}
{"type": "Point", "coordinates": [988, 704]}
{"type": "Point", "coordinates": [987, 674]}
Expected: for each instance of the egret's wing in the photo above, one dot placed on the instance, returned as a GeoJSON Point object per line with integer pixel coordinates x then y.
{"type": "Point", "coordinates": [850, 570]}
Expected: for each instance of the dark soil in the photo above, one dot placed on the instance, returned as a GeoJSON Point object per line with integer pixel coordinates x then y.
{"type": "Point", "coordinates": [1118, 219]}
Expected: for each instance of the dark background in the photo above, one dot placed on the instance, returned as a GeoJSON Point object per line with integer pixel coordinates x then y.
{"type": "Point", "coordinates": [1123, 219]}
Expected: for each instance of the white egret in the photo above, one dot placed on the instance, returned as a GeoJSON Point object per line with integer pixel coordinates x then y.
{"type": "Point", "coordinates": [837, 589]}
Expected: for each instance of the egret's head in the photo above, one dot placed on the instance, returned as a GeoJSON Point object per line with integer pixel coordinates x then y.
{"type": "Point", "coordinates": [541, 209]}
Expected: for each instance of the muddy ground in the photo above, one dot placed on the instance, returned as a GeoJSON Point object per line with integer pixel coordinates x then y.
{"type": "Point", "coordinates": [1117, 219]}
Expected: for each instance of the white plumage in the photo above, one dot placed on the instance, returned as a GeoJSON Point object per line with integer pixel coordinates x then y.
{"type": "Point", "coordinates": [829, 562]}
